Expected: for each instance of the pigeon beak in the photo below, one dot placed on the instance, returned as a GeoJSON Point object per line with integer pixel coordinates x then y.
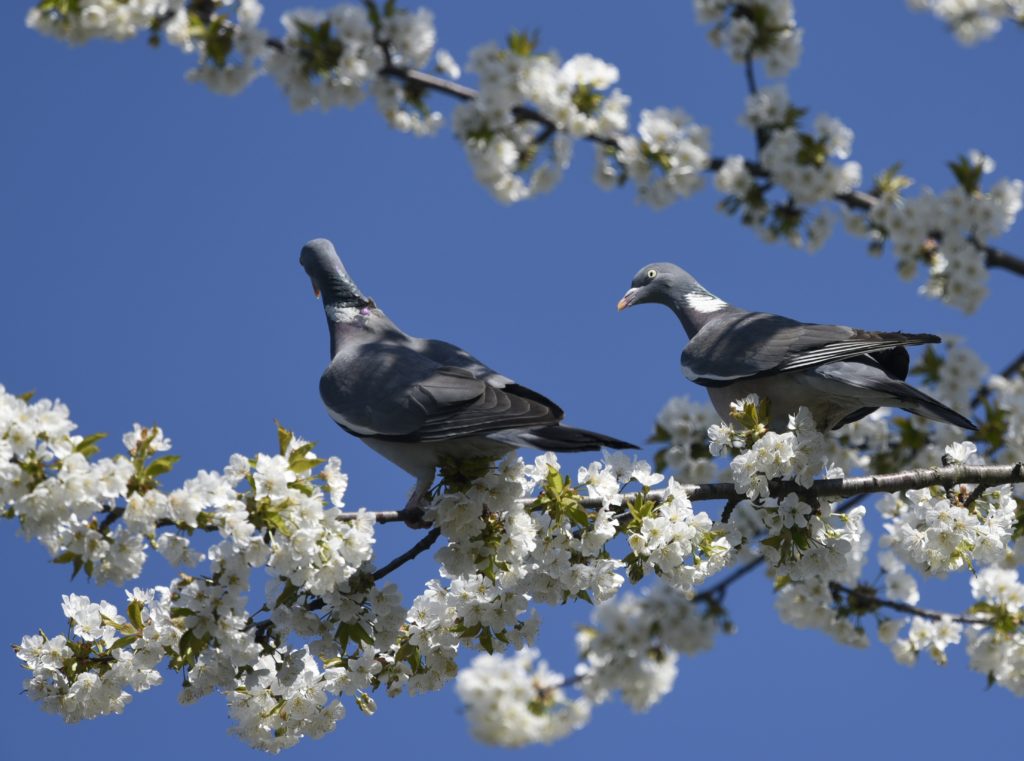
{"type": "Point", "coordinates": [628, 299]}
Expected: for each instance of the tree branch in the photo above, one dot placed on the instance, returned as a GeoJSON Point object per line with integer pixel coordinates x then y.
{"type": "Point", "coordinates": [868, 598]}
{"type": "Point", "coordinates": [946, 476]}
{"type": "Point", "coordinates": [421, 546]}
{"type": "Point", "coordinates": [994, 258]}
{"type": "Point", "coordinates": [998, 259]}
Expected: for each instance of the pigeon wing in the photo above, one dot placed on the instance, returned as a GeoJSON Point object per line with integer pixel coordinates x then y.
{"type": "Point", "coordinates": [743, 346]}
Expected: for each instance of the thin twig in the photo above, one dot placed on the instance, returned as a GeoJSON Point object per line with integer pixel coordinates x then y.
{"type": "Point", "coordinates": [1013, 368]}
{"type": "Point", "coordinates": [716, 592]}
{"type": "Point", "coordinates": [421, 546]}
{"type": "Point", "coordinates": [872, 599]}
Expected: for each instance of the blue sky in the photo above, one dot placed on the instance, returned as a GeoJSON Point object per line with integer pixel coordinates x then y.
{"type": "Point", "coordinates": [150, 243]}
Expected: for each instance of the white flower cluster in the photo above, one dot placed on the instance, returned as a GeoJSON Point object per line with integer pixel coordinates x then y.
{"type": "Point", "coordinates": [1008, 397]}
{"type": "Point", "coordinates": [666, 159]}
{"type": "Point", "coordinates": [330, 57]}
{"type": "Point", "coordinates": [856, 444]}
{"type": "Point", "coordinates": [573, 96]}
{"type": "Point", "coordinates": [289, 701]}
{"type": "Point", "coordinates": [948, 231]}
{"type": "Point", "coordinates": [806, 546]}
{"type": "Point", "coordinates": [937, 532]}
{"type": "Point", "coordinates": [761, 29]}
{"type": "Point", "coordinates": [87, 677]}
{"type": "Point", "coordinates": [518, 700]}
{"type": "Point", "coordinates": [998, 651]}
{"type": "Point", "coordinates": [972, 21]}
{"type": "Point", "coordinates": [683, 425]}
{"type": "Point", "coordinates": [808, 550]}
{"type": "Point", "coordinates": [633, 645]}
{"type": "Point", "coordinates": [518, 131]}
{"type": "Point", "coordinates": [799, 162]}
{"type": "Point", "coordinates": [684, 548]}
{"type": "Point", "coordinates": [59, 497]}
{"type": "Point", "coordinates": [515, 535]}
{"type": "Point", "coordinates": [232, 28]}
{"type": "Point", "coordinates": [547, 555]}
{"type": "Point", "coordinates": [110, 19]}
{"type": "Point", "coordinates": [930, 635]}
{"type": "Point", "coordinates": [797, 455]}
{"type": "Point", "coordinates": [631, 648]}
{"type": "Point", "coordinates": [960, 375]}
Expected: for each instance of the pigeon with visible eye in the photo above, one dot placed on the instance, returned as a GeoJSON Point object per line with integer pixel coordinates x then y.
{"type": "Point", "coordinates": [419, 401]}
{"type": "Point", "coordinates": [840, 374]}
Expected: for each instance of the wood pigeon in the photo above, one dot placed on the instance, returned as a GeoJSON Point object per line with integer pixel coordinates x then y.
{"type": "Point", "coordinates": [840, 374]}
{"type": "Point", "coordinates": [419, 401]}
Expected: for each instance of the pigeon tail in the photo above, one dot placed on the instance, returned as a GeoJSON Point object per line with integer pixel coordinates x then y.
{"type": "Point", "coordinates": [560, 438]}
{"type": "Point", "coordinates": [932, 409]}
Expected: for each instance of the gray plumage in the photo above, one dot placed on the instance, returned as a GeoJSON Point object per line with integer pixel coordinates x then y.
{"type": "Point", "coordinates": [416, 401]}
{"type": "Point", "coordinates": [839, 373]}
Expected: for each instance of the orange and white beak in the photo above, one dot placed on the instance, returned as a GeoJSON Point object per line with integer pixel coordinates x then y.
{"type": "Point", "coordinates": [628, 298]}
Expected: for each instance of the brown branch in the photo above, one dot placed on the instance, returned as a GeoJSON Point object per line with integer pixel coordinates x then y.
{"type": "Point", "coordinates": [420, 547]}
{"type": "Point", "coordinates": [872, 600]}
{"type": "Point", "coordinates": [946, 476]}
{"type": "Point", "coordinates": [998, 259]}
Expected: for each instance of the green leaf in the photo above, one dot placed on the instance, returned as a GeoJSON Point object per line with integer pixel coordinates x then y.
{"type": "Point", "coordinates": [87, 446]}
{"type": "Point", "coordinates": [135, 614]}
{"type": "Point", "coordinates": [161, 465]}
{"type": "Point", "coordinates": [967, 173]}
{"type": "Point", "coordinates": [486, 642]}
{"type": "Point", "coordinates": [123, 641]}
{"type": "Point", "coordinates": [284, 437]}
{"type": "Point", "coordinates": [523, 43]}
{"type": "Point", "coordinates": [373, 13]}
{"type": "Point", "coordinates": [288, 597]}
{"type": "Point", "coordinates": [930, 365]}
{"type": "Point", "coordinates": [891, 182]}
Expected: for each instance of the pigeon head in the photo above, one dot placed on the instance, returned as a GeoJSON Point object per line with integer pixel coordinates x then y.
{"type": "Point", "coordinates": [665, 283]}
{"type": "Point", "coordinates": [329, 277]}
{"type": "Point", "coordinates": [660, 283]}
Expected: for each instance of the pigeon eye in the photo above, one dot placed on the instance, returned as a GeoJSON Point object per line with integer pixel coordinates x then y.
{"type": "Point", "coordinates": [651, 274]}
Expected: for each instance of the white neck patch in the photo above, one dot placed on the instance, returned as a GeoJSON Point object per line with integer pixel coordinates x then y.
{"type": "Point", "coordinates": [704, 303]}
{"type": "Point", "coordinates": [338, 313]}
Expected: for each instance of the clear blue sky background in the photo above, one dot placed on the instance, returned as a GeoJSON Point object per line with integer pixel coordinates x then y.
{"type": "Point", "coordinates": [150, 239]}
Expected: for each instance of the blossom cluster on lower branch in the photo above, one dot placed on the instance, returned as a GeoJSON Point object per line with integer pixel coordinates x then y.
{"type": "Point", "coordinates": [330, 631]}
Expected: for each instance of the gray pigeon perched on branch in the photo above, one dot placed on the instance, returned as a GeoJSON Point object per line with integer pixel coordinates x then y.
{"type": "Point", "coordinates": [418, 401]}
{"type": "Point", "coordinates": [840, 374]}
